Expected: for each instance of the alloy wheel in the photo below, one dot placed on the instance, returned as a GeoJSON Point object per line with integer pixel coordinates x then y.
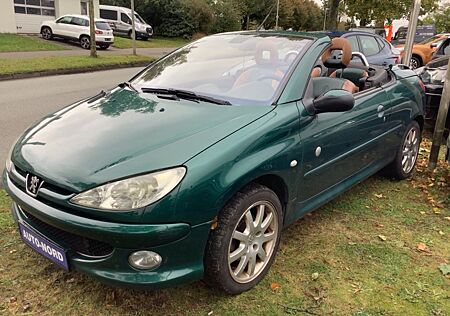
{"type": "Point", "coordinates": [414, 63]}
{"type": "Point", "coordinates": [85, 43]}
{"type": "Point", "coordinates": [253, 241]}
{"type": "Point", "coordinates": [410, 150]}
{"type": "Point", "coordinates": [46, 34]}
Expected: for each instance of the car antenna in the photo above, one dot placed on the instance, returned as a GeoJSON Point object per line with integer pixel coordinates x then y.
{"type": "Point", "coordinates": [265, 19]}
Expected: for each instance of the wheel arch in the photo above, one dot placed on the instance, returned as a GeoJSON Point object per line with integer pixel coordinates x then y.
{"type": "Point", "coordinates": [45, 26]}
{"type": "Point", "coordinates": [419, 56]}
{"type": "Point", "coordinates": [420, 120]}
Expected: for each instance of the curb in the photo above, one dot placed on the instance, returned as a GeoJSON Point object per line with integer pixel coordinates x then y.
{"type": "Point", "coordinates": [69, 71]}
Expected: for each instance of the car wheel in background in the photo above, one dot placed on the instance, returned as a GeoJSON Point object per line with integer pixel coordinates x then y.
{"type": "Point", "coordinates": [406, 157]}
{"type": "Point", "coordinates": [415, 62]}
{"type": "Point", "coordinates": [242, 247]}
{"type": "Point", "coordinates": [85, 42]}
{"type": "Point", "coordinates": [103, 46]}
{"type": "Point", "coordinates": [46, 33]}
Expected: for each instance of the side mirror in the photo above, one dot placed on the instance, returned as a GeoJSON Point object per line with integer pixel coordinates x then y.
{"type": "Point", "coordinates": [334, 101]}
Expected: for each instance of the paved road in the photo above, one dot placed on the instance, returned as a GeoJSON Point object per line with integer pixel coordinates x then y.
{"type": "Point", "coordinates": [24, 101]}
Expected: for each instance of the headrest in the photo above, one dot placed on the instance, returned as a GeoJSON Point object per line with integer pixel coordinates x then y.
{"type": "Point", "coordinates": [266, 53]}
{"type": "Point", "coordinates": [331, 61]}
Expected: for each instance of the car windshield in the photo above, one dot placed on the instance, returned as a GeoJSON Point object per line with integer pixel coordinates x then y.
{"type": "Point", "coordinates": [140, 20]}
{"type": "Point", "coordinates": [430, 39]}
{"type": "Point", "coordinates": [241, 68]}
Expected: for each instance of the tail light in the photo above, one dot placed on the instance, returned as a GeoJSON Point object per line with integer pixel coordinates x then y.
{"type": "Point", "coordinates": [422, 85]}
{"type": "Point", "coordinates": [98, 32]}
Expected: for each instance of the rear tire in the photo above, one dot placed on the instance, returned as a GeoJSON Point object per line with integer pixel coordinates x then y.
{"type": "Point", "coordinates": [243, 246]}
{"type": "Point", "coordinates": [85, 42]}
{"type": "Point", "coordinates": [46, 33]}
{"type": "Point", "coordinates": [103, 46]}
{"type": "Point", "coordinates": [406, 157]}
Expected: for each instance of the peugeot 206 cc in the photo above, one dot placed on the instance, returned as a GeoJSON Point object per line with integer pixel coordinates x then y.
{"type": "Point", "coordinates": [192, 168]}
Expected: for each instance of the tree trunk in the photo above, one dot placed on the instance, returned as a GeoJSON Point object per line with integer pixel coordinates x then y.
{"type": "Point", "coordinates": [332, 18]}
{"type": "Point", "coordinates": [92, 29]}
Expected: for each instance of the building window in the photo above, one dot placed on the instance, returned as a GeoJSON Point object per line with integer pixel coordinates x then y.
{"type": "Point", "coordinates": [35, 7]}
{"type": "Point", "coordinates": [84, 10]}
{"type": "Point", "coordinates": [34, 2]}
{"type": "Point", "coordinates": [18, 9]}
{"type": "Point", "coordinates": [50, 12]}
{"type": "Point", "coordinates": [34, 11]}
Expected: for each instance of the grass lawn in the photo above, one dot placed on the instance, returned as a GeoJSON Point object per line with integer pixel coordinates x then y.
{"type": "Point", "coordinates": [376, 250]}
{"type": "Point", "coordinates": [23, 43]}
{"type": "Point", "coordinates": [27, 65]}
{"type": "Point", "coordinates": [157, 42]}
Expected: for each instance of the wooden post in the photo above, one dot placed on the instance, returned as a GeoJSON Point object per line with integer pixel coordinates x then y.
{"type": "Point", "coordinates": [414, 17]}
{"type": "Point", "coordinates": [440, 121]}
{"type": "Point", "coordinates": [133, 30]}
{"type": "Point", "coordinates": [92, 29]}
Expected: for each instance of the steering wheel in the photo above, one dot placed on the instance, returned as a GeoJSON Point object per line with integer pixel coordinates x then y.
{"type": "Point", "coordinates": [289, 54]}
{"type": "Point", "coordinates": [270, 77]}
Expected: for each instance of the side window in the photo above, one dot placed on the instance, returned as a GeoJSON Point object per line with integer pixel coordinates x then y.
{"type": "Point", "coordinates": [64, 20]}
{"type": "Point", "coordinates": [80, 22]}
{"type": "Point", "coordinates": [381, 43]}
{"type": "Point", "coordinates": [108, 14]}
{"type": "Point", "coordinates": [125, 18]}
{"type": "Point", "coordinates": [369, 45]}
{"type": "Point", "coordinates": [354, 42]}
{"type": "Point", "coordinates": [446, 48]}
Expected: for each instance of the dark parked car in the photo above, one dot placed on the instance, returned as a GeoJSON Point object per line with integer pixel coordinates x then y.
{"type": "Point", "coordinates": [422, 33]}
{"type": "Point", "coordinates": [377, 50]}
{"type": "Point", "coordinates": [193, 168]}
{"type": "Point", "coordinates": [433, 77]}
{"type": "Point", "coordinates": [443, 49]}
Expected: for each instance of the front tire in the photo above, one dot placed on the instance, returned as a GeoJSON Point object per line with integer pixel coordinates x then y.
{"type": "Point", "coordinates": [406, 157]}
{"type": "Point", "coordinates": [415, 62]}
{"type": "Point", "coordinates": [242, 248]}
{"type": "Point", "coordinates": [85, 42]}
{"type": "Point", "coordinates": [46, 33]}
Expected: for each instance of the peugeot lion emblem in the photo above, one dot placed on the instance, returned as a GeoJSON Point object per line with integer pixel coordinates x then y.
{"type": "Point", "coordinates": [33, 185]}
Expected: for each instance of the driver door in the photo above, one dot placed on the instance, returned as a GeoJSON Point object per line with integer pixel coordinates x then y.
{"type": "Point", "coordinates": [63, 26]}
{"type": "Point", "coordinates": [340, 149]}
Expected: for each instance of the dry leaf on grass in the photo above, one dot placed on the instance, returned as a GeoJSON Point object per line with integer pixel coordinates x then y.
{"type": "Point", "coordinates": [275, 286]}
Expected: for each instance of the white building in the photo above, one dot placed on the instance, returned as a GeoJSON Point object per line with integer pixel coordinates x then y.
{"type": "Point", "coordinates": [25, 16]}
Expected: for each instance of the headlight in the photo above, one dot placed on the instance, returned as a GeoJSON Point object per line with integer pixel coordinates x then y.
{"type": "Point", "coordinates": [9, 163]}
{"type": "Point", "coordinates": [131, 193]}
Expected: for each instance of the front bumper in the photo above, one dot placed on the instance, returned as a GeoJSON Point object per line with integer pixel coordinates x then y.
{"type": "Point", "coordinates": [180, 245]}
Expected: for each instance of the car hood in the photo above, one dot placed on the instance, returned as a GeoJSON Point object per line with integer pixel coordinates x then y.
{"type": "Point", "coordinates": [124, 133]}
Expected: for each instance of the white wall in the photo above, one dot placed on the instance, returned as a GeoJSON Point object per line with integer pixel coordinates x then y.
{"type": "Point", "coordinates": [72, 7]}
{"type": "Point", "coordinates": [7, 20]}
{"type": "Point", "coordinates": [27, 23]}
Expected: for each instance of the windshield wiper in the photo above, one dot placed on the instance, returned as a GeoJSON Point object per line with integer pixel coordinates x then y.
{"type": "Point", "coordinates": [183, 94]}
{"type": "Point", "coordinates": [129, 85]}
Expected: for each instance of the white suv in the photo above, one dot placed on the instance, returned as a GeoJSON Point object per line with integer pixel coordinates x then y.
{"type": "Point", "coordinates": [76, 28]}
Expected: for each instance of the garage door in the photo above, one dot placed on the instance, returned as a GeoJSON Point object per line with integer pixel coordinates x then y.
{"type": "Point", "coordinates": [31, 13]}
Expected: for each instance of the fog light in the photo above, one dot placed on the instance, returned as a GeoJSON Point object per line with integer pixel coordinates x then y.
{"type": "Point", "coordinates": [145, 259]}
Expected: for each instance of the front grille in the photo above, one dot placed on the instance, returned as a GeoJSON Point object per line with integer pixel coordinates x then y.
{"type": "Point", "coordinates": [46, 184]}
{"type": "Point", "coordinates": [82, 245]}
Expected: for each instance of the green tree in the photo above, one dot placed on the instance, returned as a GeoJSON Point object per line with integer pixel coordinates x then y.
{"type": "Point", "coordinates": [441, 19]}
{"type": "Point", "coordinates": [381, 10]}
{"type": "Point", "coordinates": [226, 16]}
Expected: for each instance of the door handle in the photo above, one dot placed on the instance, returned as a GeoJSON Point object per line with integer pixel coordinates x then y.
{"type": "Point", "coordinates": [380, 111]}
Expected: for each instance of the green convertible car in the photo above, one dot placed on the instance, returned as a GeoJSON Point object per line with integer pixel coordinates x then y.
{"type": "Point", "coordinates": [193, 168]}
